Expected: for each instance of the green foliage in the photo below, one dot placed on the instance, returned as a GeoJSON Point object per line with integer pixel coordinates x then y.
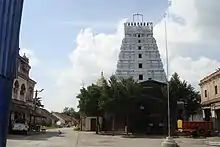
{"type": "Point", "coordinates": [71, 112]}
{"type": "Point", "coordinates": [111, 97]}
{"type": "Point", "coordinates": [89, 100]}
{"type": "Point", "coordinates": [119, 96]}
{"type": "Point", "coordinates": [182, 91]}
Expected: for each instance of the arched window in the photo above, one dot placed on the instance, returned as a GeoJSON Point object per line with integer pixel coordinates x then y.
{"type": "Point", "coordinates": [22, 91]}
{"type": "Point", "coordinates": [16, 87]}
{"type": "Point", "coordinates": [31, 92]}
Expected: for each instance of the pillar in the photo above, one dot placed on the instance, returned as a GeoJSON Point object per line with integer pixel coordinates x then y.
{"type": "Point", "coordinates": [214, 118]}
{"type": "Point", "coordinates": [203, 114]}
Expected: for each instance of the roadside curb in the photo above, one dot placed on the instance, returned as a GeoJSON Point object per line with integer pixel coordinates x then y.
{"type": "Point", "coordinates": [213, 143]}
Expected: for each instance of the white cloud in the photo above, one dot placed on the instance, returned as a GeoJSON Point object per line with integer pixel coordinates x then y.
{"type": "Point", "coordinates": [31, 55]}
{"type": "Point", "coordinates": [193, 70]}
{"type": "Point", "coordinates": [92, 24]}
{"type": "Point", "coordinates": [97, 53]}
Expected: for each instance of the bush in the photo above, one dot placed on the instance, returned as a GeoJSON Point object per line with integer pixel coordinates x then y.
{"type": "Point", "coordinates": [77, 128]}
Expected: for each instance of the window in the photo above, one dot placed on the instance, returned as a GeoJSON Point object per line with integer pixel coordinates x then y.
{"type": "Point", "coordinates": [140, 65]}
{"type": "Point", "coordinates": [140, 77]}
{"type": "Point", "coordinates": [139, 41]}
{"type": "Point", "coordinates": [139, 47]}
{"type": "Point", "coordinates": [139, 55]}
{"type": "Point", "coordinates": [216, 89]}
{"type": "Point", "coordinates": [205, 93]}
{"type": "Point", "coordinates": [139, 35]}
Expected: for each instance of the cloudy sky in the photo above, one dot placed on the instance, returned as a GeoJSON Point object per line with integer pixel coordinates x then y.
{"type": "Point", "coordinates": [70, 41]}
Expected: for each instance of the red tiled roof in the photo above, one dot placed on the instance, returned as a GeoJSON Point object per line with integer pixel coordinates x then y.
{"type": "Point", "coordinates": [46, 113]}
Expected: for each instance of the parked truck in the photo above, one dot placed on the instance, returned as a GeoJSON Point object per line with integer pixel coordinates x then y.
{"type": "Point", "coordinates": [194, 128]}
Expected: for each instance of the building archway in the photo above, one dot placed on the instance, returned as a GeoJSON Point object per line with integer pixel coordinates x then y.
{"type": "Point", "coordinates": [22, 92]}
{"type": "Point", "coordinates": [16, 89]}
{"type": "Point", "coordinates": [30, 93]}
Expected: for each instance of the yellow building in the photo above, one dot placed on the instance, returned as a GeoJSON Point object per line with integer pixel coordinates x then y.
{"type": "Point", "coordinates": [210, 97]}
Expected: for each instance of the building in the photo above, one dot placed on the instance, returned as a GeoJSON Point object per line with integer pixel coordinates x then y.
{"type": "Point", "coordinates": [47, 119]}
{"type": "Point", "coordinates": [64, 120]}
{"type": "Point", "coordinates": [22, 106]}
{"type": "Point", "coordinates": [210, 97]}
{"type": "Point", "coordinates": [150, 116]}
{"type": "Point", "coordinates": [139, 56]}
{"type": "Point", "coordinates": [89, 123]}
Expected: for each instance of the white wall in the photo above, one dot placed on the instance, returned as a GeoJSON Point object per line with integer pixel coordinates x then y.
{"type": "Point", "coordinates": [87, 121]}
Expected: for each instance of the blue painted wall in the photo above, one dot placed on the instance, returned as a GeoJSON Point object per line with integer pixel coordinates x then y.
{"type": "Point", "coordinates": [10, 20]}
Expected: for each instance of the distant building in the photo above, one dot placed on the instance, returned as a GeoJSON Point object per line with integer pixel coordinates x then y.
{"type": "Point", "coordinates": [210, 97]}
{"type": "Point", "coordinates": [47, 119]}
{"type": "Point", "coordinates": [139, 55]}
{"type": "Point", "coordinates": [22, 107]}
{"type": "Point", "coordinates": [64, 120]}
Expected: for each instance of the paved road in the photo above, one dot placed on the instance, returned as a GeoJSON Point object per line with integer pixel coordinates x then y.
{"type": "Point", "coordinates": [71, 138]}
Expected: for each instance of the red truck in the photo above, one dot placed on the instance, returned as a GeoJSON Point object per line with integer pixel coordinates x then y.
{"type": "Point", "coordinates": [201, 128]}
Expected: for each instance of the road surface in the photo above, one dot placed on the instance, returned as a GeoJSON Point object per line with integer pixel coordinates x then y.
{"type": "Point", "coordinates": [71, 138]}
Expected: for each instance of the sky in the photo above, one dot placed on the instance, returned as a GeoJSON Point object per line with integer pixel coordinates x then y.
{"type": "Point", "coordinates": [69, 42]}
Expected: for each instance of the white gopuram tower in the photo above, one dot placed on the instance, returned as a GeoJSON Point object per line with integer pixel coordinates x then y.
{"type": "Point", "coordinates": [139, 55]}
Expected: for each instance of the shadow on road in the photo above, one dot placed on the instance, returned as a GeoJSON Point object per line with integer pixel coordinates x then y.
{"type": "Point", "coordinates": [36, 137]}
{"type": "Point", "coordinates": [123, 135]}
{"type": "Point", "coordinates": [144, 136]}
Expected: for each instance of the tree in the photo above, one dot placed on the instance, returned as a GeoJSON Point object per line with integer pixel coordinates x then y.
{"type": "Point", "coordinates": [130, 94]}
{"type": "Point", "coordinates": [89, 102]}
{"type": "Point", "coordinates": [71, 112]}
{"type": "Point", "coordinates": [110, 98]}
{"type": "Point", "coordinates": [182, 91]}
{"type": "Point", "coordinates": [113, 97]}
{"type": "Point", "coordinates": [118, 97]}
{"type": "Point", "coordinates": [122, 96]}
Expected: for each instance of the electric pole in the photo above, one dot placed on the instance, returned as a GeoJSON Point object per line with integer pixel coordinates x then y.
{"type": "Point", "coordinates": [35, 105]}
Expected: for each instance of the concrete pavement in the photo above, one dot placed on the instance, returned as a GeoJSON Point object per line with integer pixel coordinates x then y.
{"type": "Point", "coordinates": [71, 138]}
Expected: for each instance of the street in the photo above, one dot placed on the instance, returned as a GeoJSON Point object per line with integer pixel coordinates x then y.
{"type": "Point", "coordinates": [70, 138]}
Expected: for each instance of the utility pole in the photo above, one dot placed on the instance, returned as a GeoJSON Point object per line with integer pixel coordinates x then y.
{"type": "Point", "coordinates": [169, 141]}
{"type": "Point", "coordinates": [35, 104]}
